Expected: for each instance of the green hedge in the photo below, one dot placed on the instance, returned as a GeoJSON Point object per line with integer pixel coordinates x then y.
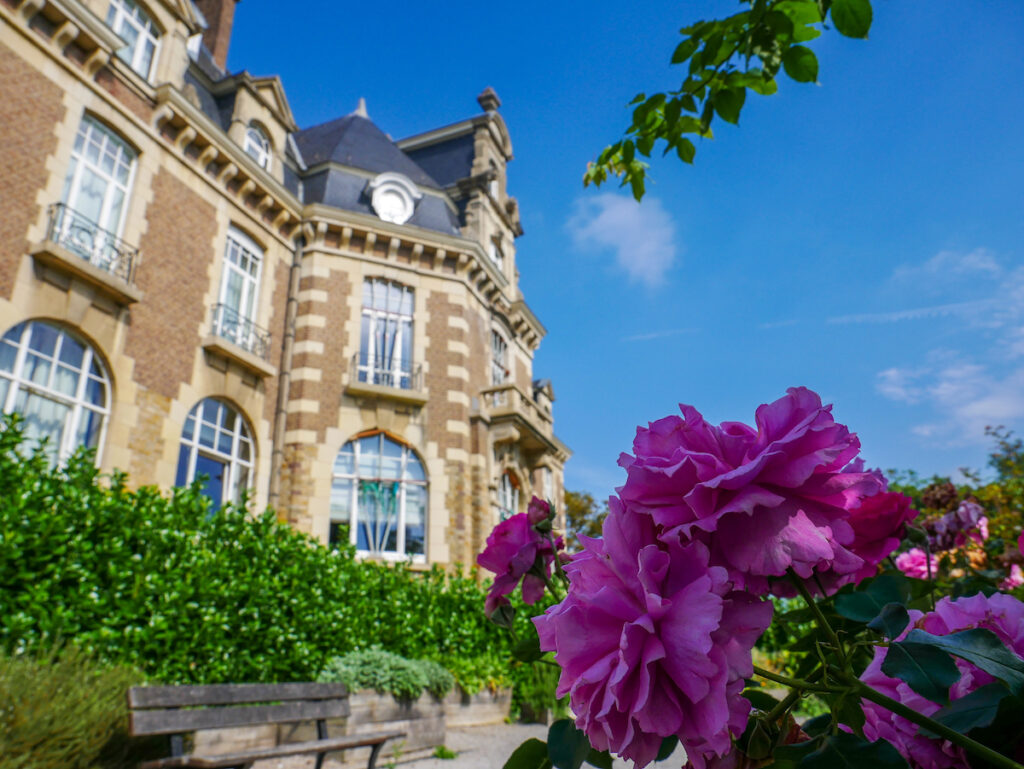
{"type": "Point", "coordinates": [157, 582]}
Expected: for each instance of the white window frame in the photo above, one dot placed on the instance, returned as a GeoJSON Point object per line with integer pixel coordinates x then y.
{"type": "Point", "coordinates": [250, 297]}
{"type": "Point", "coordinates": [257, 146]}
{"type": "Point", "coordinates": [77, 403]}
{"type": "Point", "coordinates": [127, 12]}
{"type": "Point", "coordinates": [547, 480]}
{"type": "Point", "coordinates": [91, 130]}
{"type": "Point", "coordinates": [508, 496]}
{"type": "Point", "coordinates": [499, 359]}
{"type": "Point", "coordinates": [351, 518]}
{"type": "Point", "coordinates": [395, 371]}
{"type": "Point", "coordinates": [234, 462]}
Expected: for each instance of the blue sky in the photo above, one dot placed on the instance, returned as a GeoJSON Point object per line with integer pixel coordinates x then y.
{"type": "Point", "coordinates": [862, 237]}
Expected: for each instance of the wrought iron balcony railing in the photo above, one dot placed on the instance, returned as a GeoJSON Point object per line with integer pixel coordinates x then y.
{"type": "Point", "coordinates": [229, 324]}
{"type": "Point", "coordinates": [83, 237]}
{"type": "Point", "coordinates": [400, 374]}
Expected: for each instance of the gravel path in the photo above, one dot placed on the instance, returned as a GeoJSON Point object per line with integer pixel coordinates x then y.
{"type": "Point", "coordinates": [488, 747]}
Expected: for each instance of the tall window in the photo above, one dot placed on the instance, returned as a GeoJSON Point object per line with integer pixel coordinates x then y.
{"type": "Point", "coordinates": [257, 146]}
{"type": "Point", "coordinates": [385, 342]}
{"type": "Point", "coordinates": [134, 27]}
{"type": "Point", "coordinates": [497, 256]}
{"type": "Point", "coordinates": [379, 496]}
{"type": "Point", "coordinates": [57, 383]}
{"type": "Point", "coordinates": [235, 314]}
{"type": "Point", "coordinates": [96, 192]}
{"type": "Point", "coordinates": [499, 359]}
{"type": "Point", "coordinates": [216, 443]}
{"type": "Point", "coordinates": [547, 483]}
{"type": "Point", "coordinates": [508, 495]}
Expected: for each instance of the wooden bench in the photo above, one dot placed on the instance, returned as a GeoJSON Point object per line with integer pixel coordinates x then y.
{"type": "Point", "coordinates": [176, 710]}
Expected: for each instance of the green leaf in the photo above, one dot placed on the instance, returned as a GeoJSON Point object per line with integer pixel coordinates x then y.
{"type": "Point", "coordinates": [867, 602]}
{"type": "Point", "coordinates": [568, 747]}
{"type": "Point", "coordinates": [668, 747]}
{"type": "Point", "coordinates": [686, 150]}
{"type": "Point", "coordinates": [760, 699]}
{"type": "Point", "coordinates": [891, 621]}
{"type": "Point", "coordinates": [602, 759]}
{"type": "Point", "coordinates": [528, 649]}
{"type": "Point", "coordinates": [927, 670]}
{"type": "Point", "coordinates": [979, 708]}
{"type": "Point", "coordinates": [852, 17]}
{"type": "Point", "coordinates": [728, 102]}
{"type": "Point", "coordinates": [801, 64]}
{"type": "Point", "coordinates": [685, 50]}
{"type": "Point", "coordinates": [532, 754]}
{"type": "Point", "coordinates": [848, 751]}
{"type": "Point", "coordinates": [848, 710]}
{"type": "Point", "coordinates": [980, 647]}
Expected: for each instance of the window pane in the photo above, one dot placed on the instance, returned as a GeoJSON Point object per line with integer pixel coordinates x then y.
{"type": "Point", "coordinates": [369, 453]}
{"type": "Point", "coordinates": [224, 443]}
{"type": "Point", "coordinates": [45, 419]}
{"type": "Point", "coordinates": [37, 370]}
{"type": "Point", "coordinates": [210, 409]}
{"type": "Point", "coordinates": [146, 61]}
{"type": "Point", "coordinates": [190, 426]}
{"type": "Point", "coordinates": [8, 354]}
{"type": "Point", "coordinates": [71, 352]}
{"type": "Point", "coordinates": [341, 499]}
{"type": "Point", "coordinates": [44, 338]}
{"type": "Point", "coordinates": [65, 381]}
{"type": "Point", "coordinates": [391, 459]}
{"type": "Point", "coordinates": [414, 469]}
{"type": "Point", "coordinates": [207, 434]}
{"type": "Point", "coordinates": [378, 517]}
{"type": "Point", "coordinates": [89, 429]}
{"type": "Point", "coordinates": [181, 479]}
{"type": "Point", "coordinates": [344, 463]}
{"type": "Point", "coordinates": [415, 519]}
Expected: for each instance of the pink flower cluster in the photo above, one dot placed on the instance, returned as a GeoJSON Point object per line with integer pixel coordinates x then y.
{"type": "Point", "coordinates": [516, 551]}
{"type": "Point", "coordinates": [917, 564]}
{"type": "Point", "coordinates": [1002, 614]}
{"type": "Point", "coordinates": [787, 495]}
{"type": "Point", "coordinates": [655, 636]}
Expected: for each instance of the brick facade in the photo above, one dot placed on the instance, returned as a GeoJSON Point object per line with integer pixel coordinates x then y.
{"type": "Point", "coordinates": [193, 186]}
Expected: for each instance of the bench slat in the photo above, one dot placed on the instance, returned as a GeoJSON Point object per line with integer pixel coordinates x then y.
{"type": "Point", "coordinates": [233, 759]}
{"type": "Point", "coordinates": [230, 694]}
{"type": "Point", "coordinates": [145, 722]}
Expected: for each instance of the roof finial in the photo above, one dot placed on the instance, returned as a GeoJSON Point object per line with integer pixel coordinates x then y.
{"type": "Point", "coordinates": [488, 100]}
{"type": "Point", "coordinates": [361, 108]}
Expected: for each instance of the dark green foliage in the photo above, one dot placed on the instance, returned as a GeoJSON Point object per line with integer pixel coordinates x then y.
{"type": "Point", "coordinates": [568, 747]}
{"type": "Point", "coordinates": [157, 582]}
{"type": "Point", "coordinates": [63, 711]}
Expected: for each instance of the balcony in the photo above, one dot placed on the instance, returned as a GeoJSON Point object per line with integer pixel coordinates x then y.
{"type": "Point", "coordinates": [77, 246]}
{"type": "Point", "coordinates": [238, 339]}
{"type": "Point", "coordinates": [395, 380]}
{"type": "Point", "coordinates": [518, 418]}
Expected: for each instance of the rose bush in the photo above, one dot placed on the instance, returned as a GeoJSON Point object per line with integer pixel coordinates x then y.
{"type": "Point", "coordinates": [653, 624]}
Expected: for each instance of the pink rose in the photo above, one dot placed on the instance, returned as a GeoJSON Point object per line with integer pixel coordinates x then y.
{"type": "Point", "coordinates": [652, 642]}
{"type": "Point", "coordinates": [914, 563]}
{"type": "Point", "coordinates": [513, 549]}
{"type": "Point", "coordinates": [879, 524]}
{"type": "Point", "coordinates": [763, 500]}
{"type": "Point", "coordinates": [538, 510]}
{"type": "Point", "coordinates": [1002, 614]}
{"type": "Point", "coordinates": [1014, 580]}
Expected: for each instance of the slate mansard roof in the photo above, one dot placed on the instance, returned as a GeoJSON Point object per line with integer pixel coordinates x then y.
{"type": "Point", "coordinates": [333, 162]}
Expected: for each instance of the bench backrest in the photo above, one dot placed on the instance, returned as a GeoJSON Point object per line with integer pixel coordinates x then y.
{"type": "Point", "coordinates": [175, 709]}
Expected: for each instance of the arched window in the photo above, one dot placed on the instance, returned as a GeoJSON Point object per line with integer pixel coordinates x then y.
{"type": "Point", "coordinates": [216, 443]}
{"type": "Point", "coordinates": [257, 146]}
{"type": "Point", "coordinates": [57, 383]}
{"type": "Point", "coordinates": [134, 26]}
{"type": "Point", "coordinates": [379, 494]}
{"type": "Point", "coordinates": [508, 495]}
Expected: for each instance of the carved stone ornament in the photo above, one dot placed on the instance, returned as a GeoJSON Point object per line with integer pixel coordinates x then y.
{"type": "Point", "coordinates": [393, 197]}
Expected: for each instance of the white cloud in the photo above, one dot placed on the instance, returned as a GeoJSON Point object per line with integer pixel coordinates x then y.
{"type": "Point", "coordinates": [918, 313]}
{"type": "Point", "coordinates": [949, 266]}
{"type": "Point", "coordinates": [658, 334]}
{"type": "Point", "coordinates": [966, 396]}
{"type": "Point", "coordinates": [642, 237]}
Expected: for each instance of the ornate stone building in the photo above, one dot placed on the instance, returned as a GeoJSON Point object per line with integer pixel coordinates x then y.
{"type": "Point", "coordinates": [193, 286]}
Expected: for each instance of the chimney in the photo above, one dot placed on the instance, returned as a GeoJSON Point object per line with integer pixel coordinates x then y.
{"type": "Point", "coordinates": [219, 14]}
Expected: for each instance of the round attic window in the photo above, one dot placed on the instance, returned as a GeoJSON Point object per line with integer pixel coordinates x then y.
{"type": "Point", "coordinates": [393, 197]}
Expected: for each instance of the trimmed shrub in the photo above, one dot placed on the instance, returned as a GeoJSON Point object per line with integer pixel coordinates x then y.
{"type": "Point", "coordinates": [377, 669]}
{"type": "Point", "coordinates": [438, 680]}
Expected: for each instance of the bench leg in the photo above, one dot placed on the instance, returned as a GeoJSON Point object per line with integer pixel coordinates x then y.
{"type": "Point", "coordinates": [319, 760]}
{"type": "Point", "coordinates": [374, 752]}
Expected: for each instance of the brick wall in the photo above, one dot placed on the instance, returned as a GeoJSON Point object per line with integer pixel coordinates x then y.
{"type": "Point", "coordinates": [440, 409]}
{"type": "Point", "coordinates": [177, 249]}
{"type": "Point", "coordinates": [275, 323]}
{"type": "Point", "coordinates": [31, 109]}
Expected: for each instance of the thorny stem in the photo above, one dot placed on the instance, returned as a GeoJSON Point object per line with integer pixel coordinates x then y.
{"type": "Point", "coordinates": [972, 746]}
{"type": "Point", "coordinates": [818, 616]}
{"type": "Point", "coordinates": [790, 699]}
{"type": "Point", "coordinates": [793, 683]}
